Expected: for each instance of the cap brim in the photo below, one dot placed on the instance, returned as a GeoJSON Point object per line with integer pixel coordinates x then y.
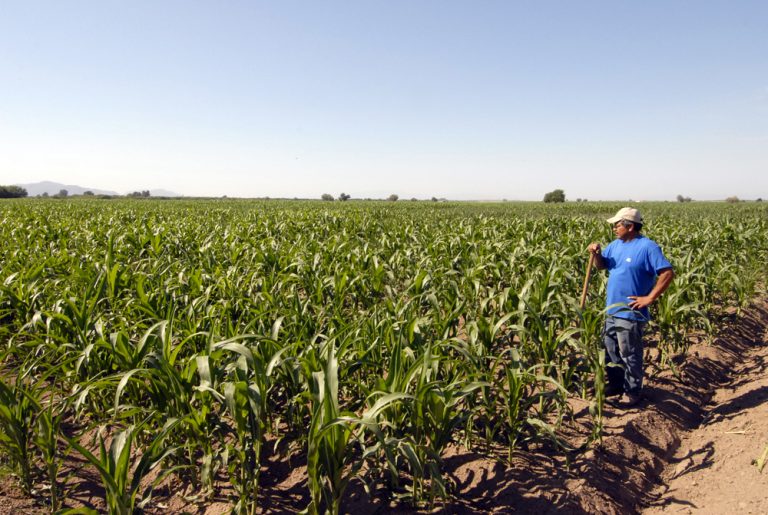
{"type": "Point", "coordinates": [614, 219]}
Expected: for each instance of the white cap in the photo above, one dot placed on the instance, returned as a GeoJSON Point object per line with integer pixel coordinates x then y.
{"type": "Point", "coordinates": [627, 213]}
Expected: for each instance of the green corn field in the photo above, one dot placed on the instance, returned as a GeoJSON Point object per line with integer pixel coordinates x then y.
{"type": "Point", "coordinates": [366, 337]}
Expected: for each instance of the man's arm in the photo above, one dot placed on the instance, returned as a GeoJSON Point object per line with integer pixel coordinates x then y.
{"type": "Point", "coordinates": [595, 250]}
{"type": "Point", "coordinates": [662, 283]}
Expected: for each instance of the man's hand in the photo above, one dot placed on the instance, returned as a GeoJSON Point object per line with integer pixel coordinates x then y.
{"type": "Point", "coordinates": [636, 302]}
{"type": "Point", "coordinates": [597, 252]}
{"type": "Point", "coordinates": [662, 283]}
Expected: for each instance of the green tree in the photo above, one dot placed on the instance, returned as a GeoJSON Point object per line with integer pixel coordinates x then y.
{"type": "Point", "coordinates": [393, 198]}
{"type": "Point", "coordinates": [326, 196]}
{"type": "Point", "coordinates": [555, 196]}
{"type": "Point", "coordinates": [344, 197]}
{"type": "Point", "coordinates": [12, 192]}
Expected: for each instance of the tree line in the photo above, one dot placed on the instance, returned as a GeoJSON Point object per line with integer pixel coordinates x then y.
{"type": "Point", "coordinates": [19, 192]}
{"type": "Point", "coordinates": [12, 192]}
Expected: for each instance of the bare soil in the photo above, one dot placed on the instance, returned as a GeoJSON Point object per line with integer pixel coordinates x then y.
{"type": "Point", "coordinates": [689, 446]}
{"type": "Point", "coordinates": [713, 470]}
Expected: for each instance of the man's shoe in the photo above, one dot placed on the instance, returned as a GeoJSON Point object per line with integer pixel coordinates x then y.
{"type": "Point", "coordinates": [626, 401]}
{"type": "Point", "coordinates": [613, 391]}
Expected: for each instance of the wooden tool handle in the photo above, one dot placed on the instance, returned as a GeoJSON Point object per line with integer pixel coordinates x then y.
{"type": "Point", "coordinates": [586, 280]}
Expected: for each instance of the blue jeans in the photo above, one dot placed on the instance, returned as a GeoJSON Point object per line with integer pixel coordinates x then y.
{"type": "Point", "coordinates": [623, 340]}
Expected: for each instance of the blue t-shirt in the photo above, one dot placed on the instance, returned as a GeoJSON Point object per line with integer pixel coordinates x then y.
{"type": "Point", "coordinates": [632, 270]}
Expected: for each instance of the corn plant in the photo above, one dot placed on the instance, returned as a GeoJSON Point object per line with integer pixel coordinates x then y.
{"type": "Point", "coordinates": [246, 401]}
{"type": "Point", "coordinates": [513, 391]}
{"type": "Point", "coordinates": [46, 441]}
{"type": "Point", "coordinates": [330, 434]}
{"type": "Point", "coordinates": [591, 348]}
{"type": "Point", "coordinates": [18, 410]}
{"type": "Point", "coordinates": [120, 476]}
{"type": "Point", "coordinates": [327, 448]}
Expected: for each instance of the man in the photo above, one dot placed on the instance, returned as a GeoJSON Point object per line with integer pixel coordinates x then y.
{"type": "Point", "coordinates": [638, 273]}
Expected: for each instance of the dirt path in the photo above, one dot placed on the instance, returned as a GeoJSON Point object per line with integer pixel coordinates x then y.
{"type": "Point", "coordinates": [713, 470]}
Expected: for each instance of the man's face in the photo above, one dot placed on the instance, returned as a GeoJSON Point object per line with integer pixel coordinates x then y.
{"type": "Point", "coordinates": [621, 232]}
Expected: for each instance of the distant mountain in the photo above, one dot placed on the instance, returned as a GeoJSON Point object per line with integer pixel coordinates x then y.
{"type": "Point", "coordinates": [163, 193]}
{"type": "Point", "coordinates": [51, 188]}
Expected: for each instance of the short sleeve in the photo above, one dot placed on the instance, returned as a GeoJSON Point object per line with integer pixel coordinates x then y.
{"type": "Point", "coordinates": [656, 258]}
{"type": "Point", "coordinates": [610, 262]}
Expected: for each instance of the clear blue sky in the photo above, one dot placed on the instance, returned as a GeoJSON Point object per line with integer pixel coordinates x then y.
{"type": "Point", "coordinates": [458, 99]}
